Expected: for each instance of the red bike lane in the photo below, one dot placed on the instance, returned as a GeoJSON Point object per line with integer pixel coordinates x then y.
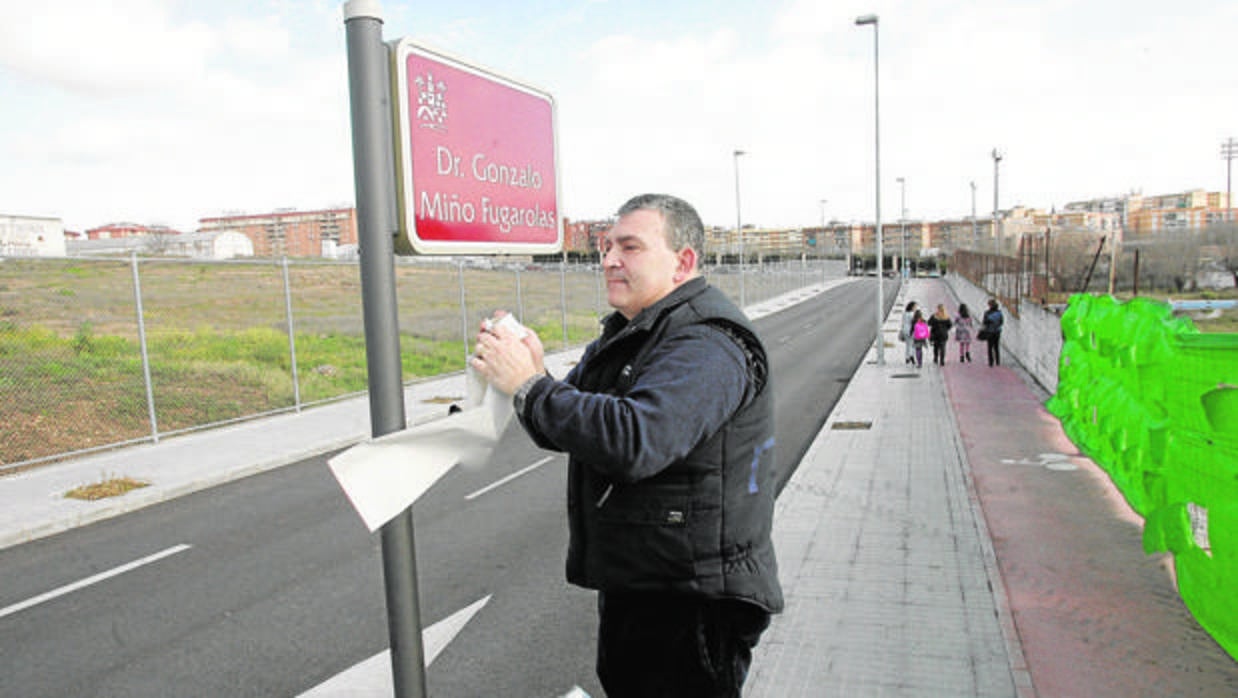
{"type": "Point", "coordinates": [1095, 615]}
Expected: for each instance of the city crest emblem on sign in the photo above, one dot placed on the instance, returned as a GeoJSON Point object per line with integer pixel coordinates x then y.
{"type": "Point", "coordinates": [431, 102]}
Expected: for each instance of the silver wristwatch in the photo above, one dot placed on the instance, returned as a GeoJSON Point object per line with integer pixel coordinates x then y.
{"type": "Point", "coordinates": [522, 393]}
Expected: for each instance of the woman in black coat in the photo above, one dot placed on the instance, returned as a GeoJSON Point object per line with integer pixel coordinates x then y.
{"type": "Point", "coordinates": [991, 332]}
{"type": "Point", "coordinates": [939, 333]}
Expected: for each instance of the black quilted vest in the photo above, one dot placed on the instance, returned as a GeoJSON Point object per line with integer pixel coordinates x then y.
{"type": "Point", "coordinates": [702, 525]}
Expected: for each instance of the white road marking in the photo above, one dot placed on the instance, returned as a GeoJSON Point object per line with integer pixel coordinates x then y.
{"type": "Point", "coordinates": [372, 677]}
{"type": "Point", "coordinates": [499, 483]}
{"type": "Point", "coordinates": [94, 579]}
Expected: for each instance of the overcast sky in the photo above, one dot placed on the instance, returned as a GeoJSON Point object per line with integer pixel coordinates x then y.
{"type": "Point", "coordinates": [168, 111]}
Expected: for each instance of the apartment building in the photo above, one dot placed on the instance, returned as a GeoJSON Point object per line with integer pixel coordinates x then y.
{"type": "Point", "coordinates": [31, 236]}
{"type": "Point", "coordinates": [1143, 216]}
{"type": "Point", "coordinates": [583, 237]}
{"type": "Point", "coordinates": [117, 231]}
{"type": "Point", "coordinates": [319, 233]}
{"type": "Point", "coordinates": [291, 233]}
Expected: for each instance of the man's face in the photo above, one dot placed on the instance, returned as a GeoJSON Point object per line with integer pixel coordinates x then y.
{"type": "Point", "coordinates": [640, 266]}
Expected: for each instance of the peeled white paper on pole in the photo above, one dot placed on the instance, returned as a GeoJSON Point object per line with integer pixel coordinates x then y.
{"type": "Point", "coordinates": [384, 476]}
{"type": "Point", "coordinates": [383, 479]}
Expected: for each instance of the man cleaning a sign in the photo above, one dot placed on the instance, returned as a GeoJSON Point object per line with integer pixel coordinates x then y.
{"type": "Point", "coordinates": [668, 423]}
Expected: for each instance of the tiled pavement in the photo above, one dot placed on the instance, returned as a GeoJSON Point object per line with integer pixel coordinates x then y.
{"type": "Point", "coordinates": [887, 565]}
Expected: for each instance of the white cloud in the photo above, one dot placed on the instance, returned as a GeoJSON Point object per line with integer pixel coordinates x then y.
{"type": "Point", "coordinates": [149, 110]}
{"type": "Point", "coordinates": [264, 39]}
{"type": "Point", "coordinates": [176, 121]}
{"type": "Point", "coordinates": [111, 48]}
{"type": "Point", "coordinates": [667, 114]}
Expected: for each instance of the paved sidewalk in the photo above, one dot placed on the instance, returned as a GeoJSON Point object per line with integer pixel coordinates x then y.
{"type": "Point", "coordinates": [890, 577]}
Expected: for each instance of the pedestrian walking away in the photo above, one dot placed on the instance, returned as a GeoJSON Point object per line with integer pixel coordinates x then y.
{"type": "Point", "coordinates": [919, 335]}
{"type": "Point", "coordinates": [667, 421]}
{"type": "Point", "coordinates": [991, 332]}
{"type": "Point", "coordinates": [963, 326]}
{"type": "Point", "coordinates": [904, 333]}
{"type": "Point", "coordinates": [939, 333]}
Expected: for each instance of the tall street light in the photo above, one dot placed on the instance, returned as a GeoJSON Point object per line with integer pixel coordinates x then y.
{"type": "Point", "coordinates": [860, 21]}
{"type": "Point", "coordinates": [975, 237]}
{"type": "Point", "coordinates": [997, 221]}
{"type": "Point", "coordinates": [739, 231]}
{"type": "Point", "coordinates": [825, 235]}
{"type": "Point", "coordinates": [1229, 150]}
{"type": "Point", "coordinates": [902, 227]}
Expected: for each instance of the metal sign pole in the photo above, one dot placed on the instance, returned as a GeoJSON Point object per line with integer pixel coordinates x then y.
{"type": "Point", "coordinates": [374, 179]}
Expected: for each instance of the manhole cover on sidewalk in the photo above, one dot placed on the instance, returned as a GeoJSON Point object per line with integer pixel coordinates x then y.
{"type": "Point", "coordinates": [851, 425]}
{"type": "Point", "coordinates": [905, 375]}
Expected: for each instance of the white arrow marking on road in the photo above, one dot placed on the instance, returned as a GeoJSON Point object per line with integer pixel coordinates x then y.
{"type": "Point", "coordinates": [372, 677]}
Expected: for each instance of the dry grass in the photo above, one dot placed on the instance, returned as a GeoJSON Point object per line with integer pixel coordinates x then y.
{"type": "Point", "coordinates": [110, 487]}
{"type": "Point", "coordinates": [71, 372]}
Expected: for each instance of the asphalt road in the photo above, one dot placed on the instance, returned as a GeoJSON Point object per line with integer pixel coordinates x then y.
{"type": "Point", "coordinates": [271, 585]}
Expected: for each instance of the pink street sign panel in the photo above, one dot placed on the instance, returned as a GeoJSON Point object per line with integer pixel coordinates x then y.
{"type": "Point", "coordinates": [477, 159]}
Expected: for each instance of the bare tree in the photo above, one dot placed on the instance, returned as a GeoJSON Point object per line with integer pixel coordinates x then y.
{"type": "Point", "coordinates": [1070, 257]}
{"type": "Point", "coordinates": [158, 243]}
{"type": "Point", "coordinates": [1223, 237]}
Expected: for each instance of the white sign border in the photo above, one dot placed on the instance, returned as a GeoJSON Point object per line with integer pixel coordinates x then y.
{"type": "Point", "coordinates": [407, 242]}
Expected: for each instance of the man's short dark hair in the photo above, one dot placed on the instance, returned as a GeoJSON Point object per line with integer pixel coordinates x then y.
{"type": "Point", "coordinates": [683, 224]}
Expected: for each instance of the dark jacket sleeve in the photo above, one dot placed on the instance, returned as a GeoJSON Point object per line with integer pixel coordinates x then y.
{"type": "Point", "coordinates": [536, 394]}
{"type": "Point", "coordinates": [689, 387]}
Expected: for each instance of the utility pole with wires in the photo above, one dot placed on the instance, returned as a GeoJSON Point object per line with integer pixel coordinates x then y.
{"type": "Point", "coordinates": [1229, 149]}
{"type": "Point", "coordinates": [975, 238]}
{"type": "Point", "coordinates": [997, 220]}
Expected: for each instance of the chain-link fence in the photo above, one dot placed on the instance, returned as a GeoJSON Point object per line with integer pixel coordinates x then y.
{"type": "Point", "coordinates": [1049, 267]}
{"type": "Point", "coordinates": [99, 353]}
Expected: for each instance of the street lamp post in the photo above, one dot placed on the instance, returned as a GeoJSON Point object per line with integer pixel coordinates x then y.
{"type": "Point", "coordinates": [834, 241]}
{"type": "Point", "coordinates": [902, 227]}
{"type": "Point", "coordinates": [739, 231]}
{"type": "Point", "coordinates": [861, 21]}
{"type": "Point", "coordinates": [1229, 150]}
{"type": "Point", "coordinates": [975, 237]}
{"type": "Point", "coordinates": [997, 221]}
{"type": "Point", "coordinates": [825, 234]}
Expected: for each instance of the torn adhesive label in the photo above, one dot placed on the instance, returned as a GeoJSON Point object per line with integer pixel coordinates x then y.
{"type": "Point", "coordinates": [384, 476]}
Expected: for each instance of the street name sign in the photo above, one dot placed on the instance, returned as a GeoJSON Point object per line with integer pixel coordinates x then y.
{"type": "Point", "coordinates": [476, 157]}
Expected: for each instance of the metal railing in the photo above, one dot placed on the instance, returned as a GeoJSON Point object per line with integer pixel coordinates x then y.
{"type": "Point", "coordinates": [1048, 267]}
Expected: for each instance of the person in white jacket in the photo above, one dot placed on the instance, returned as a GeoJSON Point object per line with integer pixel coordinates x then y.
{"type": "Point", "coordinates": [909, 344]}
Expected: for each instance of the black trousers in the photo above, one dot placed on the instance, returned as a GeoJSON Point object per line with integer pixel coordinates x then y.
{"type": "Point", "coordinates": [673, 646]}
{"type": "Point", "coordinates": [995, 350]}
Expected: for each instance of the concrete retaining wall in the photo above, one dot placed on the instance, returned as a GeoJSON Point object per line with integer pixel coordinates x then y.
{"type": "Point", "coordinates": [1033, 338]}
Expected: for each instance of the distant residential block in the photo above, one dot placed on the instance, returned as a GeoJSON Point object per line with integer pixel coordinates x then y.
{"type": "Point", "coordinates": [291, 233]}
{"type": "Point", "coordinates": [31, 236]}
{"type": "Point", "coordinates": [217, 246]}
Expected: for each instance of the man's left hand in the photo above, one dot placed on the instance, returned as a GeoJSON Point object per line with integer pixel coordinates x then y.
{"type": "Point", "coordinates": [506, 361]}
